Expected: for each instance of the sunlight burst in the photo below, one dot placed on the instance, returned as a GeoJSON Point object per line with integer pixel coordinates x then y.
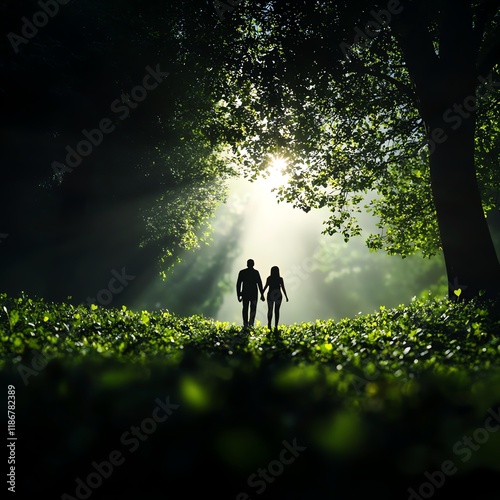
{"type": "Point", "coordinates": [276, 171]}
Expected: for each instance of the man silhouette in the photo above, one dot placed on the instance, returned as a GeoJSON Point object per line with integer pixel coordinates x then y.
{"type": "Point", "coordinates": [248, 286]}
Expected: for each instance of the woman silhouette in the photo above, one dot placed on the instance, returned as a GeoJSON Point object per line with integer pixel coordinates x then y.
{"type": "Point", "coordinates": [275, 284]}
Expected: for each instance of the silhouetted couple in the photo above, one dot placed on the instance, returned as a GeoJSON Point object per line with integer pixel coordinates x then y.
{"type": "Point", "coordinates": [249, 285]}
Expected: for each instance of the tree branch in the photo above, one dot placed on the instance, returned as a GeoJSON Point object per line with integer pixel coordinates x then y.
{"type": "Point", "coordinates": [486, 58]}
{"type": "Point", "coordinates": [491, 57]}
{"type": "Point", "coordinates": [411, 30]}
{"type": "Point", "coordinates": [369, 70]}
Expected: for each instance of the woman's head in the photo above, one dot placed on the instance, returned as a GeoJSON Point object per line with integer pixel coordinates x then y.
{"type": "Point", "coordinates": [275, 271]}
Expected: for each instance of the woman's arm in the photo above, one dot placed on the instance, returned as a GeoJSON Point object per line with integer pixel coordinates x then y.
{"type": "Point", "coordinates": [265, 288]}
{"type": "Point", "coordinates": [283, 288]}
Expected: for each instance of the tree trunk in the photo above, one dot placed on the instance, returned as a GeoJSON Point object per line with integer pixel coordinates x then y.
{"type": "Point", "coordinates": [472, 264]}
{"type": "Point", "coordinates": [446, 80]}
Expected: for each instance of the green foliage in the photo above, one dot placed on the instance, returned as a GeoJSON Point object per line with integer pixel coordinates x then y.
{"type": "Point", "coordinates": [402, 342]}
{"type": "Point", "coordinates": [390, 393]}
{"type": "Point", "coordinates": [357, 279]}
{"type": "Point", "coordinates": [349, 124]}
{"type": "Point", "coordinates": [180, 217]}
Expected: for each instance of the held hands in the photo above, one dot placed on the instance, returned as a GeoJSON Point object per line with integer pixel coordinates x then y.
{"type": "Point", "coordinates": [240, 298]}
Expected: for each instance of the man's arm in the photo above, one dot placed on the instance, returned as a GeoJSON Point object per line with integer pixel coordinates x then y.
{"type": "Point", "coordinates": [259, 283]}
{"type": "Point", "coordinates": [238, 285]}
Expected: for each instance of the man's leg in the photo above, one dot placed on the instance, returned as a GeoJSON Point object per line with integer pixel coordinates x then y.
{"type": "Point", "coordinates": [253, 310]}
{"type": "Point", "coordinates": [244, 311]}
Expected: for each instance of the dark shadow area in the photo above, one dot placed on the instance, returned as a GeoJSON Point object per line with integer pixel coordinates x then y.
{"type": "Point", "coordinates": [244, 421]}
{"type": "Point", "coordinates": [90, 149]}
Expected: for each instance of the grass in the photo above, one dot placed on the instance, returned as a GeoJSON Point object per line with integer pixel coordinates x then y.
{"type": "Point", "coordinates": [112, 402]}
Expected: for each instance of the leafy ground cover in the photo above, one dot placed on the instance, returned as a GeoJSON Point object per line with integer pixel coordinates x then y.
{"type": "Point", "coordinates": [112, 403]}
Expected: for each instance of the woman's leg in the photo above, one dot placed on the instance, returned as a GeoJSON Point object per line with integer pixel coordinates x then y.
{"type": "Point", "coordinates": [269, 312]}
{"type": "Point", "coordinates": [277, 306]}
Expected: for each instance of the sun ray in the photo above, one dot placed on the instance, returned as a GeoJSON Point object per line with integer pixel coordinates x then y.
{"type": "Point", "coordinates": [275, 174]}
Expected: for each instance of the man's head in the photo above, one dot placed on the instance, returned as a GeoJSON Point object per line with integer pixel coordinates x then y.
{"type": "Point", "coordinates": [250, 263]}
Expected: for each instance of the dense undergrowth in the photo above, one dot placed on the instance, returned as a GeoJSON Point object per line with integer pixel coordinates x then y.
{"type": "Point", "coordinates": [371, 406]}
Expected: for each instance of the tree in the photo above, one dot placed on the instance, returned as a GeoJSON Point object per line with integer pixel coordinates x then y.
{"type": "Point", "coordinates": [148, 189]}
{"type": "Point", "coordinates": [350, 92]}
{"type": "Point", "coordinates": [394, 99]}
